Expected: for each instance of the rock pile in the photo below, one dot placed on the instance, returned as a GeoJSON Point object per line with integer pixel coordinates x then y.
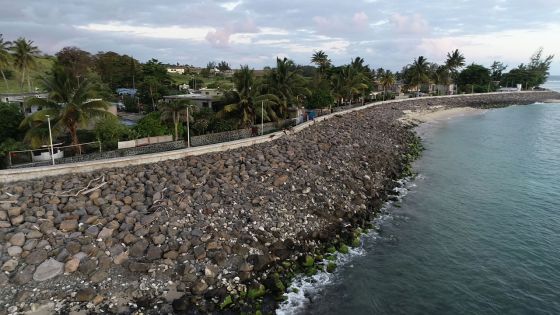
{"type": "Point", "coordinates": [201, 231]}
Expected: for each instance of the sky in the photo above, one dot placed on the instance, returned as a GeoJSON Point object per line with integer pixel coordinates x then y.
{"type": "Point", "coordinates": [388, 34]}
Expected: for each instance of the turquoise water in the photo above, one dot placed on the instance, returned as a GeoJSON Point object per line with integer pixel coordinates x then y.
{"type": "Point", "coordinates": [477, 233]}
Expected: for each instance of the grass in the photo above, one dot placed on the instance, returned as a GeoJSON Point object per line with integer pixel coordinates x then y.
{"type": "Point", "coordinates": [221, 82]}
{"type": "Point", "coordinates": [44, 64]}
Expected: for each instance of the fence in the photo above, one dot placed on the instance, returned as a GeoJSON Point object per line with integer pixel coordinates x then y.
{"type": "Point", "coordinates": [144, 141]}
{"type": "Point", "coordinates": [152, 148]}
{"type": "Point", "coordinates": [238, 134]}
{"type": "Point", "coordinates": [43, 156]}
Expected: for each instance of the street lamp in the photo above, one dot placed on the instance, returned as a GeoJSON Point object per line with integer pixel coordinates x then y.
{"type": "Point", "coordinates": [188, 128]}
{"type": "Point", "coordinates": [262, 118]}
{"type": "Point", "coordinates": [50, 138]}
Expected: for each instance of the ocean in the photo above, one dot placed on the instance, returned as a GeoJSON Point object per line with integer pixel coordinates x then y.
{"type": "Point", "coordinates": [476, 232]}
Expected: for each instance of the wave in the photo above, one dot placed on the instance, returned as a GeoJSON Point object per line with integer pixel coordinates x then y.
{"type": "Point", "coordinates": [303, 288]}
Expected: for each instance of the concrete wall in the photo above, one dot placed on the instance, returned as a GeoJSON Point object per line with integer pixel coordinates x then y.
{"type": "Point", "coordinates": [13, 175]}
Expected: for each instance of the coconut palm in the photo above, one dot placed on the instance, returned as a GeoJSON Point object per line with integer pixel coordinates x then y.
{"type": "Point", "coordinates": [455, 61]}
{"type": "Point", "coordinates": [286, 84]}
{"type": "Point", "coordinates": [69, 106]}
{"type": "Point", "coordinates": [243, 101]}
{"type": "Point", "coordinates": [24, 54]}
{"type": "Point", "coordinates": [387, 80]}
{"type": "Point", "coordinates": [175, 111]}
{"type": "Point", "coordinates": [321, 59]}
{"type": "Point", "coordinates": [5, 47]}
{"type": "Point", "coordinates": [420, 73]}
{"type": "Point", "coordinates": [347, 81]}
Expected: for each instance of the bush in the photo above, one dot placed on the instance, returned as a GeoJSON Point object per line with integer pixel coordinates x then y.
{"type": "Point", "coordinates": [151, 125]}
{"type": "Point", "coordinates": [6, 146]}
{"type": "Point", "coordinates": [320, 98]}
{"type": "Point", "coordinates": [110, 131]}
{"type": "Point", "coordinates": [130, 104]}
{"type": "Point", "coordinates": [10, 118]}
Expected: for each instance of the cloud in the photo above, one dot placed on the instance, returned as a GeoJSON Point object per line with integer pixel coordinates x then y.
{"type": "Point", "coordinates": [410, 24]}
{"type": "Point", "coordinates": [169, 32]}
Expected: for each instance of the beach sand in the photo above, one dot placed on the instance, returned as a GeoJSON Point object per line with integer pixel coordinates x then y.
{"type": "Point", "coordinates": [438, 113]}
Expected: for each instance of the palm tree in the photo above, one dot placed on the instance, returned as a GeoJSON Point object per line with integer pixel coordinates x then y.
{"type": "Point", "coordinates": [176, 111]}
{"type": "Point", "coordinates": [420, 72]}
{"type": "Point", "coordinates": [387, 80]}
{"type": "Point", "coordinates": [5, 47]}
{"type": "Point", "coordinates": [242, 101]}
{"type": "Point", "coordinates": [24, 58]}
{"type": "Point", "coordinates": [347, 82]}
{"type": "Point", "coordinates": [286, 84]}
{"type": "Point", "coordinates": [321, 59]}
{"type": "Point", "coordinates": [455, 60]}
{"type": "Point", "coordinates": [69, 105]}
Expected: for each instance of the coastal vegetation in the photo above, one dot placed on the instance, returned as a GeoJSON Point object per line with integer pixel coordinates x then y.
{"type": "Point", "coordinates": [81, 85]}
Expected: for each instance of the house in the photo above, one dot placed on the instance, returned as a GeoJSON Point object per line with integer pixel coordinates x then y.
{"type": "Point", "coordinates": [177, 70]}
{"type": "Point", "coordinates": [200, 100]}
{"type": "Point", "coordinates": [20, 98]}
{"type": "Point", "coordinates": [211, 92]}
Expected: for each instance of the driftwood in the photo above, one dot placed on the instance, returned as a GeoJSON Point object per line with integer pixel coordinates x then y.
{"type": "Point", "coordinates": [83, 191]}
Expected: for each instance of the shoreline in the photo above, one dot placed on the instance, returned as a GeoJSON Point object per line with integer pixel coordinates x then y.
{"type": "Point", "coordinates": [220, 231]}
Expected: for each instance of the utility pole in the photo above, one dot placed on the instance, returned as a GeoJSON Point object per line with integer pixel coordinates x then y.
{"type": "Point", "coordinates": [188, 129]}
{"type": "Point", "coordinates": [262, 118]}
{"type": "Point", "coordinates": [50, 138]}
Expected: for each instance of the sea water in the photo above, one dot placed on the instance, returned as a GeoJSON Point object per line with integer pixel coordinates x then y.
{"type": "Point", "coordinates": [477, 233]}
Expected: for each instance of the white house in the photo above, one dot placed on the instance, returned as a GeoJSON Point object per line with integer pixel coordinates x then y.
{"type": "Point", "coordinates": [20, 98]}
{"type": "Point", "coordinates": [178, 70]}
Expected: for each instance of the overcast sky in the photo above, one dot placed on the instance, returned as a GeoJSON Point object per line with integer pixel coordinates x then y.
{"type": "Point", "coordinates": [386, 34]}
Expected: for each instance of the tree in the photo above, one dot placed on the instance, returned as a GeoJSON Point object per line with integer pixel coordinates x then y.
{"type": "Point", "coordinates": [321, 59]}
{"type": "Point", "coordinates": [116, 70]}
{"type": "Point", "coordinates": [533, 74]}
{"type": "Point", "coordinates": [242, 101]}
{"type": "Point", "coordinates": [497, 68]}
{"type": "Point", "coordinates": [475, 76]}
{"type": "Point", "coordinates": [455, 61]}
{"type": "Point", "coordinates": [75, 61]}
{"type": "Point", "coordinates": [176, 111]}
{"type": "Point", "coordinates": [347, 81]}
{"type": "Point", "coordinates": [155, 83]}
{"type": "Point", "coordinates": [10, 118]}
{"type": "Point", "coordinates": [286, 83]}
{"type": "Point", "coordinates": [152, 125]}
{"type": "Point", "coordinates": [109, 131]}
{"type": "Point", "coordinates": [419, 72]}
{"type": "Point", "coordinates": [387, 81]}
{"type": "Point", "coordinates": [223, 66]}
{"type": "Point", "coordinates": [24, 54]}
{"type": "Point", "coordinates": [5, 47]}
{"type": "Point", "coordinates": [69, 105]}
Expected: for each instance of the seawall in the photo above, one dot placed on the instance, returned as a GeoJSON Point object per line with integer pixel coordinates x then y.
{"type": "Point", "coordinates": [197, 231]}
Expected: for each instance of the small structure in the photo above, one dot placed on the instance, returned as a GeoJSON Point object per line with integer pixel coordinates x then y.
{"type": "Point", "coordinates": [46, 156]}
{"type": "Point", "coordinates": [126, 91]}
{"type": "Point", "coordinates": [203, 101]}
{"type": "Point", "coordinates": [211, 92]}
{"type": "Point", "coordinates": [20, 98]}
{"type": "Point", "coordinates": [177, 70]}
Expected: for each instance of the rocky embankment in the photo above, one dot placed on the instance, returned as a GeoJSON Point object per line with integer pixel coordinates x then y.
{"type": "Point", "coordinates": [220, 232]}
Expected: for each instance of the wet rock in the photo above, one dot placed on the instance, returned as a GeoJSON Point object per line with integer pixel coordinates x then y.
{"type": "Point", "coordinates": [48, 270]}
